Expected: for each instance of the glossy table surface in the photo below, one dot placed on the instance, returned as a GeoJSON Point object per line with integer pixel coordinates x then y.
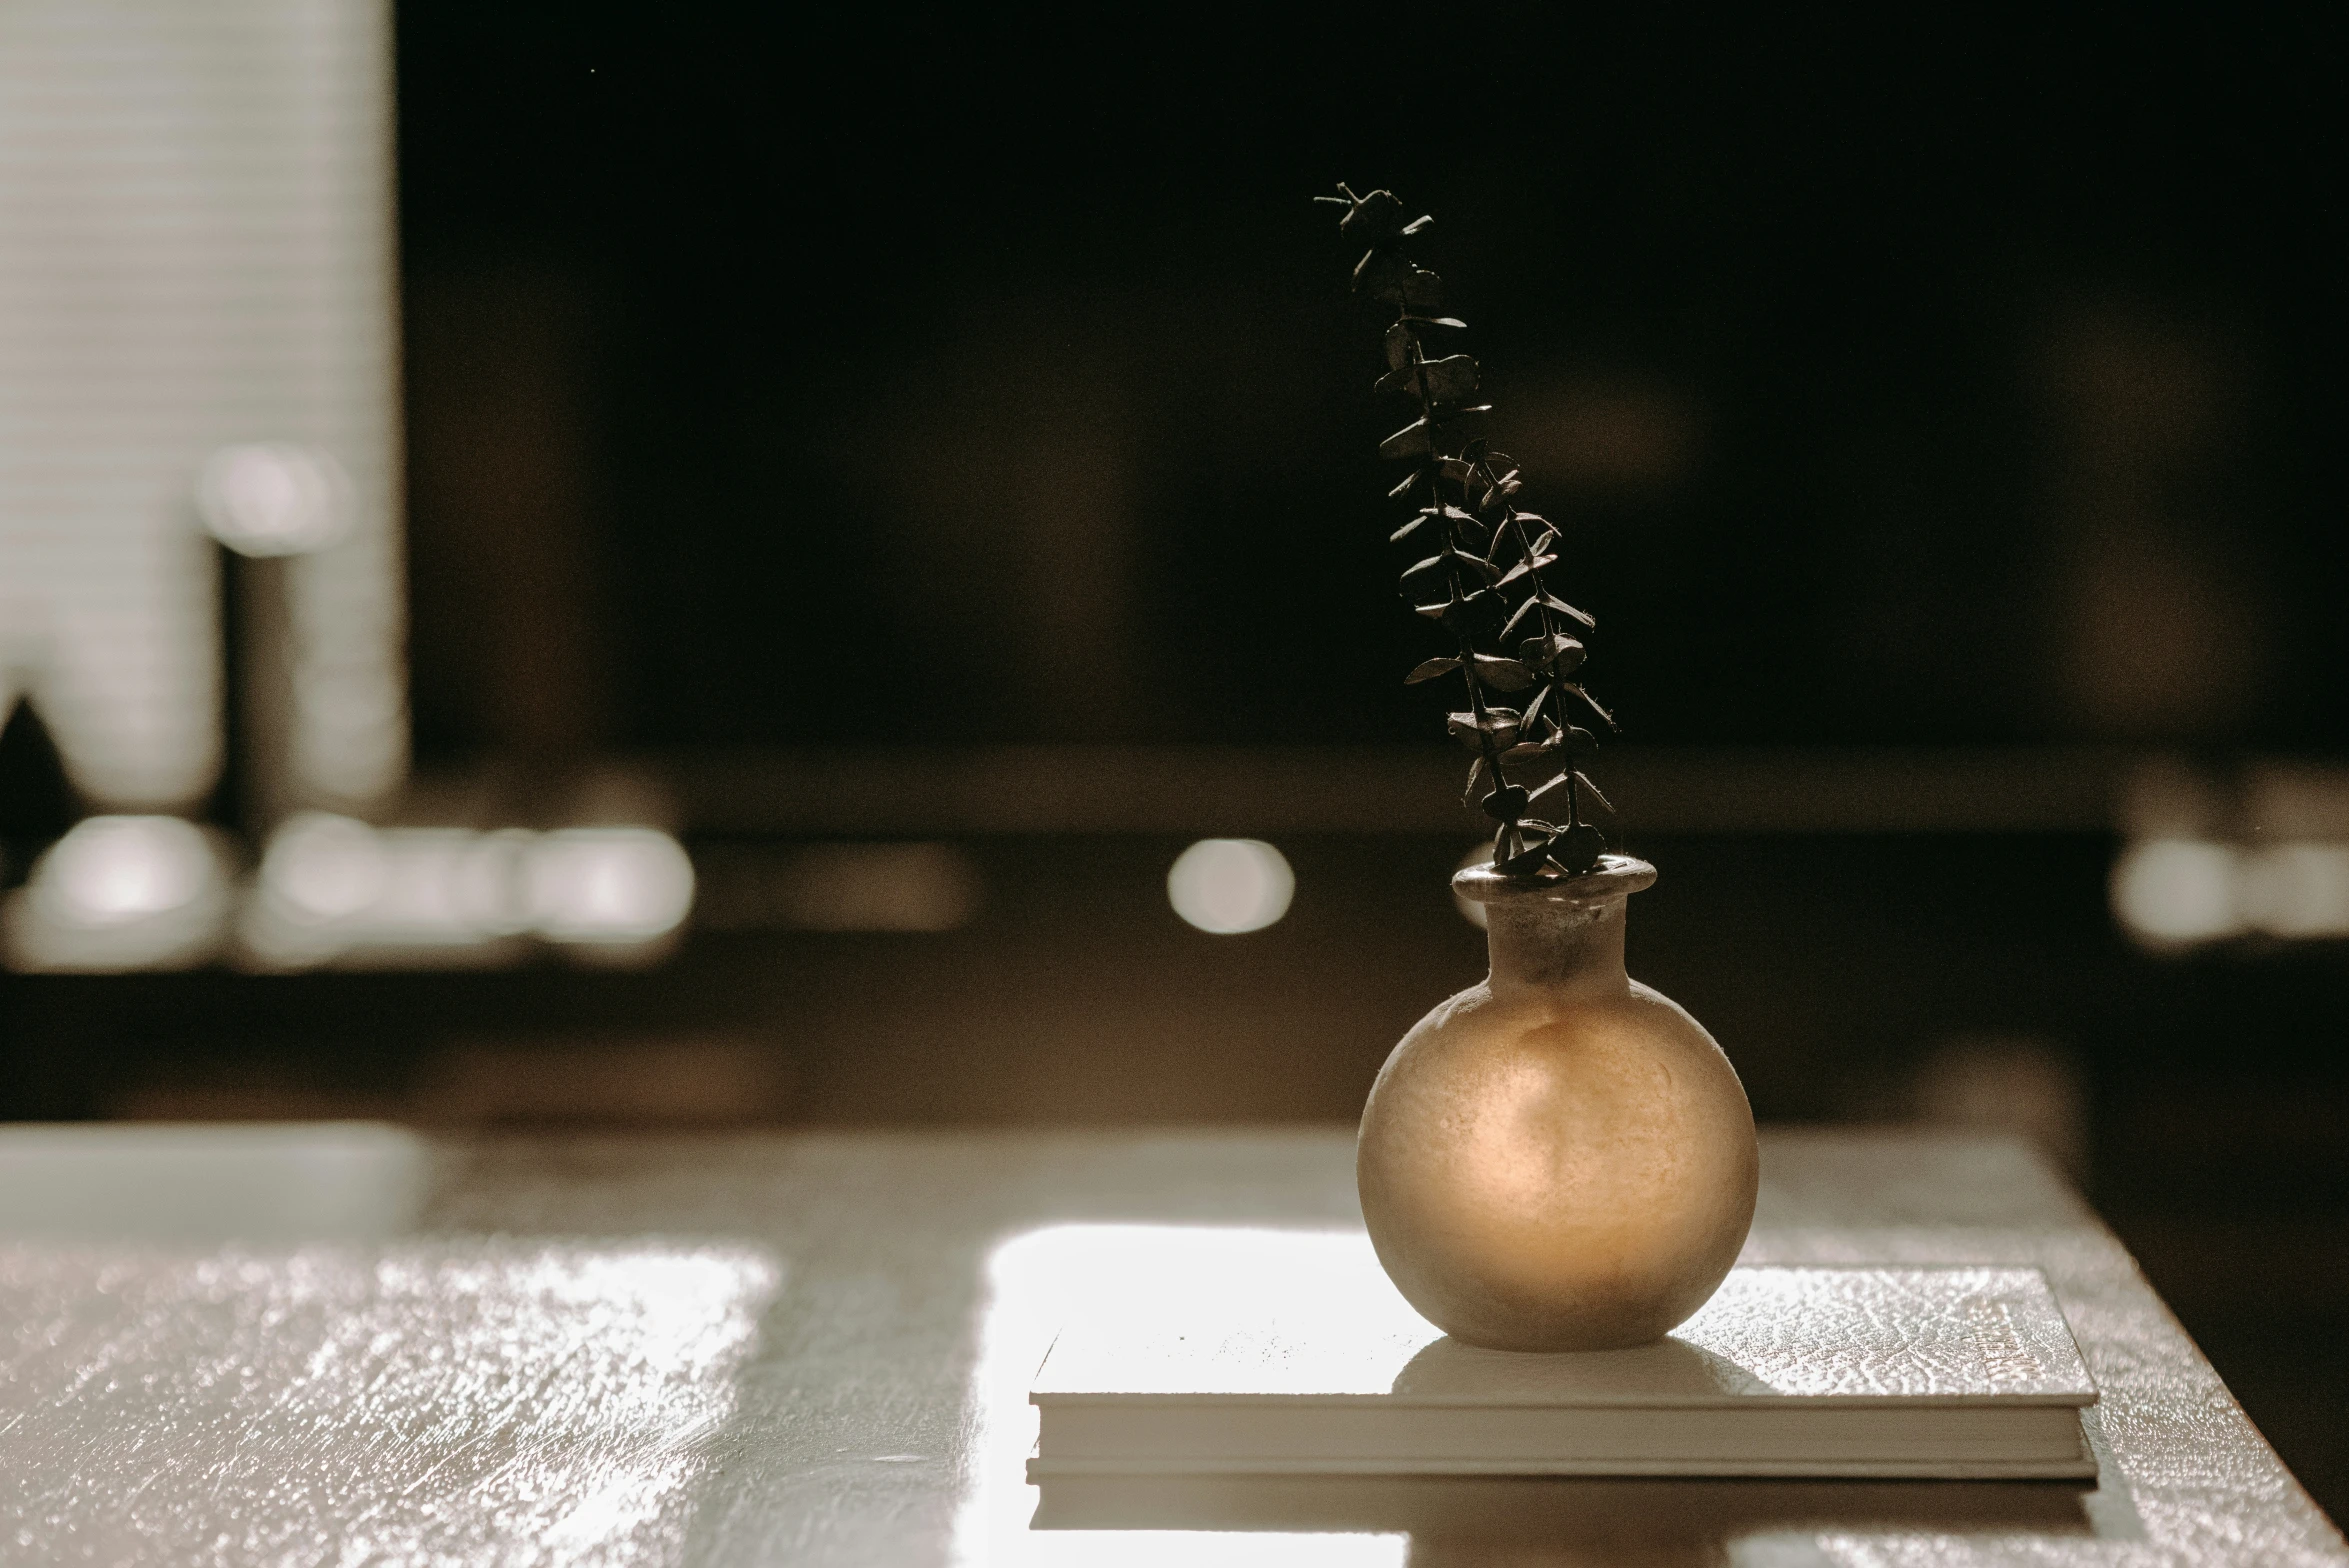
{"type": "Point", "coordinates": [813, 1349]}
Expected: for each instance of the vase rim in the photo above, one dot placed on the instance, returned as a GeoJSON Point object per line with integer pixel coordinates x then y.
{"type": "Point", "coordinates": [1614, 877]}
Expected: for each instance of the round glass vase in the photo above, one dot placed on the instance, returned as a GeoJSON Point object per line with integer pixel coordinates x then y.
{"type": "Point", "coordinates": [1558, 1158]}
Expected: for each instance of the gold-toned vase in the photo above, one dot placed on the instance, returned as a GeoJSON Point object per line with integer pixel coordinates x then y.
{"type": "Point", "coordinates": [1559, 1158]}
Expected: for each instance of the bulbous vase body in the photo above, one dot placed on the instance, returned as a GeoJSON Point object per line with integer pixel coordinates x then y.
{"type": "Point", "coordinates": [1559, 1158]}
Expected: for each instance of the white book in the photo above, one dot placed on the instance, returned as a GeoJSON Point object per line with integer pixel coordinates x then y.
{"type": "Point", "coordinates": [1950, 1372]}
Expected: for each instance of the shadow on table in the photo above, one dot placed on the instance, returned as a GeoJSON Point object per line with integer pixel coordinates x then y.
{"type": "Point", "coordinates": [1455, 1519]}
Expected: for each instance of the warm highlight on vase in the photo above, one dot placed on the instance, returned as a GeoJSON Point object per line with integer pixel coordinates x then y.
{"type": "Point", "coordinates": [1559, 1158]}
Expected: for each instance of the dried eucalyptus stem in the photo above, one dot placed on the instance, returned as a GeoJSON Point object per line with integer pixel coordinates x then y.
{"type": "Point", "coordinates": [1483, 583]}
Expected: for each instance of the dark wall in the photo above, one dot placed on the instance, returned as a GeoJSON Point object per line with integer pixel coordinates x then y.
{"type": "Point", "coordinates": [883, 373]}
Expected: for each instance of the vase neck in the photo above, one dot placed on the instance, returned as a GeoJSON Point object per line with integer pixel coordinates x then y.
{"type": "Point", "coordinates": [1557, 945]}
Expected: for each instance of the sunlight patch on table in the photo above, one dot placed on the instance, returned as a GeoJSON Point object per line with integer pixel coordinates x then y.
{"type": "Point", "coordinates": [490, 1402]}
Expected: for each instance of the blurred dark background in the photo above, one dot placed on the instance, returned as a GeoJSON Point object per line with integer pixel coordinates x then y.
{"type": "Point", "coordinates": [1903, 382]}
{"type": "Point", "coordinates": [920, 427]}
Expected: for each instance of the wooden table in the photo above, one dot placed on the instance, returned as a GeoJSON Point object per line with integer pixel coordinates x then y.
{"type": "Point", "coordinates": [802, 1349]}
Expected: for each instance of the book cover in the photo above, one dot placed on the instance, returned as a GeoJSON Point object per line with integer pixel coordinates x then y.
{"type": "Point", "coordinates": [1786, 1371]}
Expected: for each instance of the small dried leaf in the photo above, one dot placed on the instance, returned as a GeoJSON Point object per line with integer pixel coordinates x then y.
{"type": "Point", "coordinates": [1475, 776]}
{"type": "Point", "coordinates": [1475, 563]}
{"type": "Point", "coordinates": [1418, 521]}
{"type": "Point", "coordinates": [1557, 653]}
{"type": "Point", "coordinates": [1451, 379]}
{"type": "Point", "coordinates": [1400, 341]}
{"type": "Point", "coordinates": [1381, 273]}
{"type": "Point", "coordinates": [1396, 278]}
{"type": "Point", "coordinates": [1377, 216]}
{"type": "Point", "coordinates": [1470, 728]}
{"type": "Point", "coordinates": [1410, 441]}
{"type": "Point", "coordinates": [1406, 482]}
{"type": "Point", "coordinates": [1523, 611]}
{"type": "Point", "coordinates": [1418, 223]}
{"type": "Point", "coordinates": [1523, 848]}
{"type": "Point", "coordinates": [1502, 674]}
{"type": "Point", "coordinates": [1452, 516]}
{"type": "Point", "coordinates": [1436, 321]}
{"type": "Point", "coordinates": [1548, 739]}
{"type": "Point", "coordinates": [1581, 745]}
{"type": "Point", "coordinates": [1537, 765]}
{"type": "Point", "coordinates": [1497, 493]}
{"type": "Point", "coordinates": [1474, 617]}
{"type": "Point", "coordinates": [1588, 698]}
{"type": "Point", "coordinates": [1552, 602]}
{"type": "Point", "coordinates": [1429, 669]}
{"type": "Point", "coordinates": [1533, 709]}
{"type": "Point", "coordinates": [1528, 567]}
{"type": "Point", "coordinates": [1578, 849]}
{"type": "Point", "coordinates": [1572, 781]}
{"type": "Point", "coordinates": [1505, 804]}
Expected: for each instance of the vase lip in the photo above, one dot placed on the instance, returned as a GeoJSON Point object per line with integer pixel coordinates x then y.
{"type": "Point", "coordinates": [1614, 877]}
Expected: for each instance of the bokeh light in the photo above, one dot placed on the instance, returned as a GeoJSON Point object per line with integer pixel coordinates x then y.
{"type": "Point", "coordinates": [1470, 910]}
{"type": "Point", "coordinates": [2169, 891]}
{"type": "Point", "coordinates": [609, 884]}
{"type": "Point", "coordinates": [1230, 885]}
{"type": "Point", "coordinates": [2297, 890]}
{"type": "Point", "coordinates": [118, 893]}
{"type": "Point", "coordinates": [110, 871]}
{"type": "Point", "coordinates": [274, 498]}
{"type": "Point", "coordinates": [334, 888]}
{"type": "Point", "coordinates": [323, 867]}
